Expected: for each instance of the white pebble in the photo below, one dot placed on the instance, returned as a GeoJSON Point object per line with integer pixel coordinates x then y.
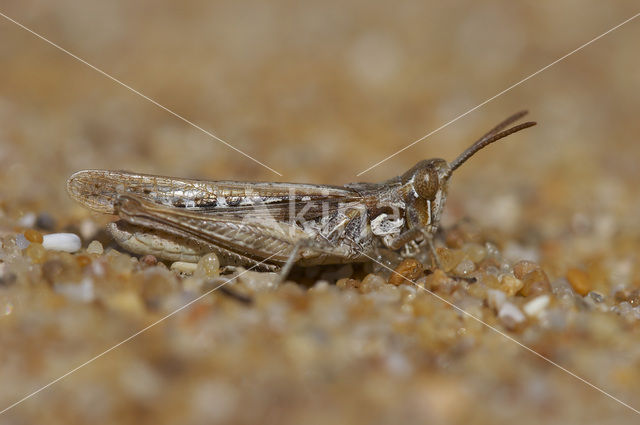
{"type": "Point", "coordinates": [496, 298]}
{"type": "Point", "coordinates": [536, 306]}
{"type": "Point", "coordinates": [88, 228]}
{"type": "Point", "coordinates": [259, 281]}
{"type": "Point", "coordinates": [27, 220]}
{"type": "Point", "coordinates": [183, 267]}
{"type": "Point", "coordinates": [82, 291]}
{"type": "Point", "coordinates": [510, 315]}
{"type": "Point", "coordinates": [67, 242]}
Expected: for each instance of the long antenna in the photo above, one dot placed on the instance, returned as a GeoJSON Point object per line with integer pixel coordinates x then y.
{"type": "Point", "coordinates": [513, 118]}
{"type": "Point", "coordinates": [492, 136]}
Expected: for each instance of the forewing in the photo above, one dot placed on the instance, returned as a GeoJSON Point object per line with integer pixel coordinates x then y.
{"type": "Point", "coordinates": [99, 190]}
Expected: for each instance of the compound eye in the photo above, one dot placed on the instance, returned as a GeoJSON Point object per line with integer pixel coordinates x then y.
{"type": "Point", "coordinates": [427, 184]}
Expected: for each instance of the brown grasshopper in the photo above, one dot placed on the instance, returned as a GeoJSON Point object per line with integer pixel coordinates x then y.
{"type": "Point", "coordinates": [246, 223]}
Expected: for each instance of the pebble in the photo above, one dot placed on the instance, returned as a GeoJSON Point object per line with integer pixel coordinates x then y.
{"type": "Point", "coordinates": [95, 247]}
{"type": "Point", "coordinates": [592, 302]}
{"type": "Point", "coordinates": [183, 267]}
{"type": "Point", "coordinates": [33, 236]}
{"type": "Point", "coordinates": [82, 291]}
{"type": "Point", "coordinates": [523, 268]}
{"type": "Point", "coordinates": [27, 220]}
{"type": "Point", "coordinates": [21, 241]}
{"type": "Point", "coordinates": [490, 280]}
{"type": "Point", "coordinates": [511, 316]}
{"type": "Point", "coordinates": [561, 288]}
{"type": "Point", "coordinates": [496, 299]}
{"type": "Point", "coordinates": [36, 253]}
{"type": "Point", "coordinates": [208, 266]}
{"type": "Point", "coordinates": [465, 267]}
{"type": "Point", "coordinates": [449, 258]}
{"type": "Point", "coordinates": [88, 228]}
{"type": "Point", "coordinates": [347, 282]}
{"type": "Point", "coordinates": [510, 285]}
{"type": "Point", "coordinates": [372, 281]}
{"type": "Point", "coordinates": [596, 296]}
{"type": "Point", "coordinates": [439, 281]}
{"type": "Point", "coordinates": [45, 221]}
{"type": "Point", "coordinates": [579, 281]}
{"type": "Point", "coordinates": [535, 283]}
{"type": "Point", "coordinates": [259, 281]}
{"type": "Point", "coordinates": [149, 260]}
{"type": "Point", "coordinates": [537, 306]}
{"type": "Point", "coordinates": [320, 286]}
{"type": "Point", "coordinates": [407, 271]}
{"type": "Point", "coordinates": [67, 242]}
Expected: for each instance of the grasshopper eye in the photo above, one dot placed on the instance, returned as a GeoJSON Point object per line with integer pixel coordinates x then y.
{"type": "Point", "coordinates": [427, 184]}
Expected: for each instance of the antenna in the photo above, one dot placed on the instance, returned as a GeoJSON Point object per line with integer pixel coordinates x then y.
{"type": "Point", "coordinates": [493, 135]}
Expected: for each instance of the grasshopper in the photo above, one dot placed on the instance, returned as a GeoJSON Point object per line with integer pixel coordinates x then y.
{"type": "Point", "coordinates": [272, 226]}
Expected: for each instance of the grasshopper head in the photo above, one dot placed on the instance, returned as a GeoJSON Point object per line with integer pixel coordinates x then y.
{"type": "Point", "coordinates": [425, 192]}
{"type": "Point", "coordinates": [425, 185]}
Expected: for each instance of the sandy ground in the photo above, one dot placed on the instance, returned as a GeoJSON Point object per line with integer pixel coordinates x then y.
{"type": "Point", "coordinates": [320, 91]}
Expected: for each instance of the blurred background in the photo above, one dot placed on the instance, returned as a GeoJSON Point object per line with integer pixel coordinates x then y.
{"type": "Point", "coordinates": [320, 91]}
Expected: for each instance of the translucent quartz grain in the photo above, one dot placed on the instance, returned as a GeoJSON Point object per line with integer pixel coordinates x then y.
{"type": "Point", "coordinates": [465, 267]}
{"type": "Point", "coordinates": [21, 241]}
{"type": "Point", "coordinates": [449, 258]}
{"type": "Point", "coordinates": [208, 266]}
